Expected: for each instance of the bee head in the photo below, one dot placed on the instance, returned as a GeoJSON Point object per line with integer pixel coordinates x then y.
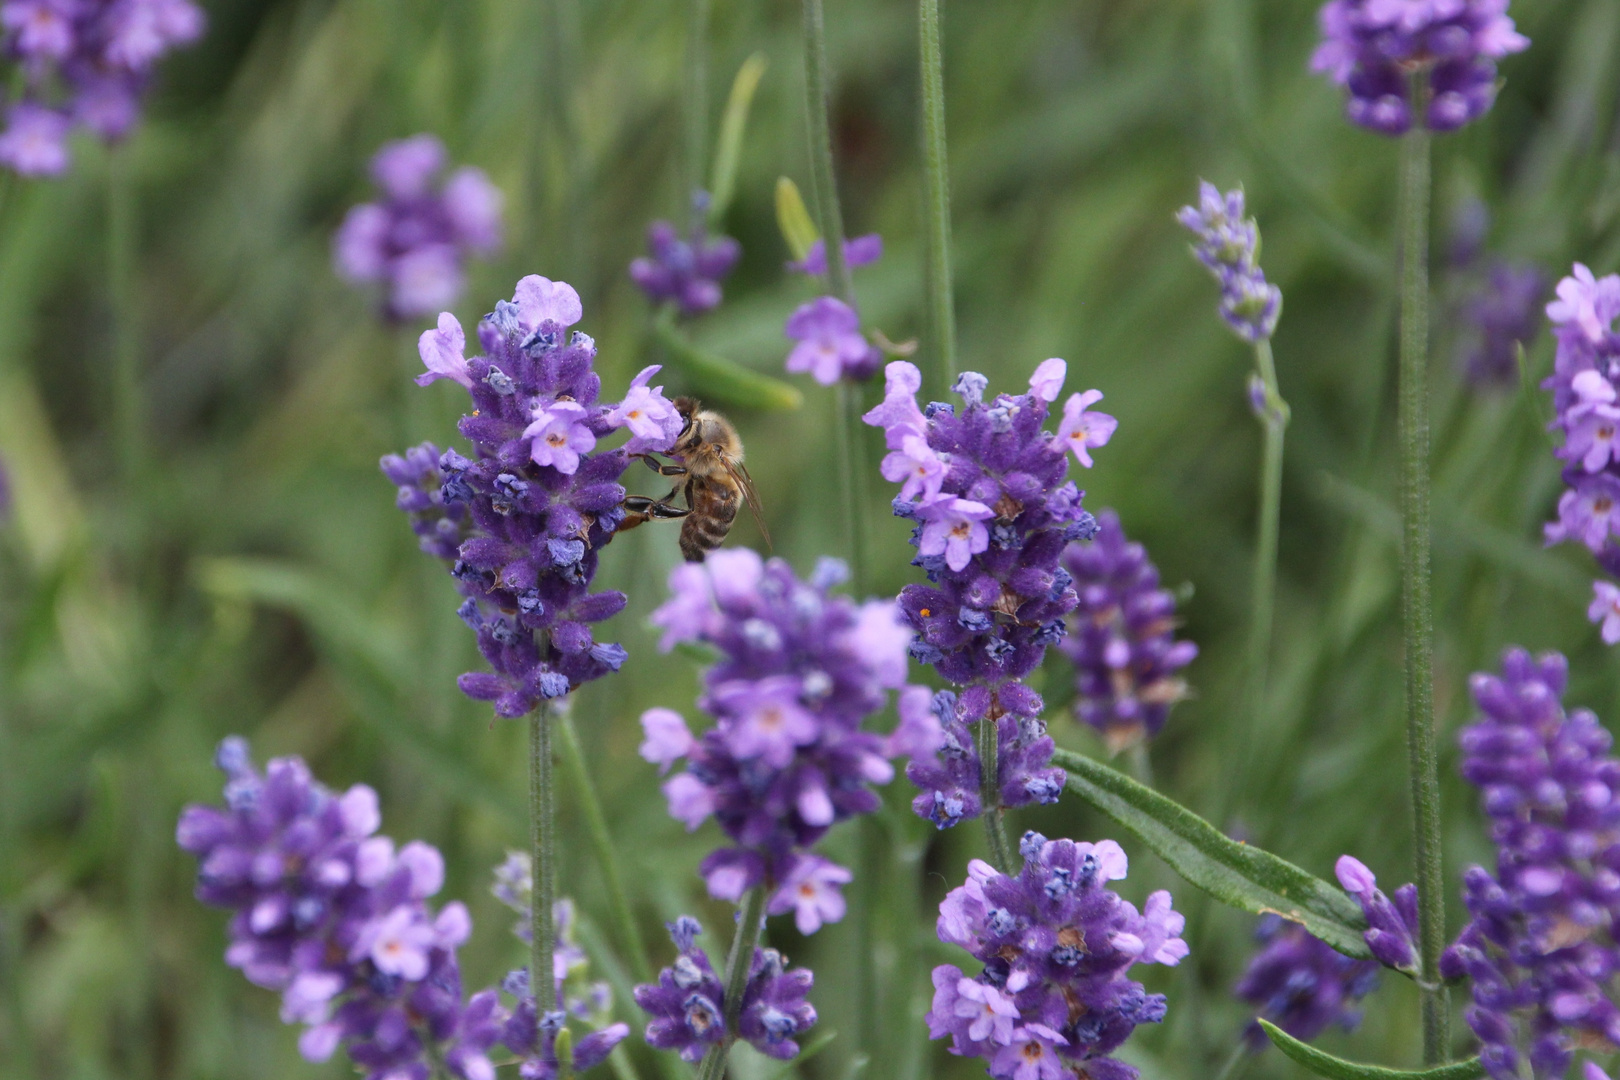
{"type": "Point", "coordinates": [687, 408]}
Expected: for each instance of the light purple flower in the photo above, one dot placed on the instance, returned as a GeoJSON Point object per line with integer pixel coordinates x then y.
{"type": "Point", "coordinates": [1588, 512]}
{"type": "Point", "coordinates": [1605, 609]}
{"type": "Point", "coordinates": [689, 612]}
{"type": "Point", "coordinates": [35, 141]}
{"type": "Point", "coordinates": [474, 205]}
{"type": "Point", "coordinates": [769, 721]}
{"type": "Point", "coordinates": [1047, 381]}
{"type": "Point", "coordinates": [442, 352]}
{"type": "Point", "coordinates": [989, 1013]}
{"type": "Point", "coordinates": [1031, 1055]}
{"type": "Point", "coordinates": [858, 251]}
{"type": "Point", "coordinates": [668, 738]}
{"type": "Point", "coordinates": [881, 637]}
{"type": "Point", "coordinates": [690, 800]}
{"type": "Point", "coordinates": [830, 343]}
{"type": "Point", "coordinates": [954, 527]}
{"type": "Point", "coordinates": [810, 891]}
{"type": "Point", "coordinates": [560, 433]}
{"type": "Point", "coordinates": [652, 419]}
{"type": "Point", "coordinates": [407, 168]}
{"type": "Point", "coordinates": [898, 414]}
{"type": "Point", "coordinates": [1081, 430]}
{"type": "Point", "coordinates": [1586, 302]}
{"type": "Point", "coordinates": [398, 943]}
{"type": "Point", "coordinates": [916, 468]}
{"type": "Point", "coordinates": [918, 734]}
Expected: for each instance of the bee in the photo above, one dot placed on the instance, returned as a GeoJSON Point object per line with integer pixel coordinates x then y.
{"type": "Point", "coordinates": [709, 455]}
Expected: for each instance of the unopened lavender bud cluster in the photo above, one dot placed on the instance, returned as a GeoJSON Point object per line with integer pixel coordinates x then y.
{"type": "Point", "coordinates": [1498, 317]}
{"type": "Point", "coordinates": [1392, 925]}
{"type": "Point", "coordinates": [1540, 946]}
{"type": "Point", "coordinates": [829, 343]}
{"type": "Point", "coordinates": [85, 62]}
{"type": "Point", "coordinates": [1376, 49]}
{"type": "Point", "coordinates": [1301, 983]}
{"type": "Point", "coordinates": [1054, 998]}
{"type": "Point", "coordinates": [414, 241]}
{"type": "Point", "coordinates": [993, 509]}
{"type": "Point", "coordinates": [688, 1003]}
{"type": "Point", "coordinates": [686, 270]}
{"type": "Point", "coordinates": [537, 500]}
{"type": "Point", "coordinates": [1585, 385]}
{"type": "Point", "coordinates": [1229, 245]}
{"type": "Point", "coordinates": [440, 526]}
{"type": "Point", "coordinates": [1121, 638]}
{"type": "Point", "coordinates": [800, 672]}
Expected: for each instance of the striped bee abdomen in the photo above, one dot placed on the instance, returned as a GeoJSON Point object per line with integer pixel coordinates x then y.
{"type": "Point", "coordinates": [714, 508]}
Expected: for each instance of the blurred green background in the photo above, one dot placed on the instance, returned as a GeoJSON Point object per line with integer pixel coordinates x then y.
{"type": "Point", "coordinates": [254, 576]}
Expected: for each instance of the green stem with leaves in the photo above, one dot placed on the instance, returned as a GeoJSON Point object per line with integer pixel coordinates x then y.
{"type": "Point", "coordinates": [542, 861]}
{"type": "Point", "coordinates": [1417, 616]}
{"type": "Point", "coordinates": [937, 193]}
{"type": "Point", "coordinates": [1263, 595]}
{"type": "Point", "coordinates": [750, 921]}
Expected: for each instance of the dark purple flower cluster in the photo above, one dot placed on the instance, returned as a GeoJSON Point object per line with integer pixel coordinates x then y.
{"type": "Point", "coordinates": [1121, 638]}
{"type": "Point", "coordinates": [1229, 244]}
{"type": "Point", "coordinates": [799, 672]}
{"type": "Point", "coordinates": [440, 526]}
{"type": "Point", "coordinates": [829, 343]}
{"type": "Point", "coordinates": [686, 270]}
{"type": "Point", "coordinates": [416, 238]}
{"type": "Point", "coordinates": [1374, 48]}
{"type": "Point", "coordinates": [1585, 385]}
{"type": "Point", "coordinates": [337, 920]}
{"type": "Point", "coordinates": [1392, 925]}
{"type": "Point", "coordinates": [688, 1003]}
{"type": "Point", "coordinates": [83, 62]}
{"type": "Point", "coordinates": [535, 1039]}
{"type": "Point", "coordinates": [1540, 945]}
{"type": "Point", "coordinates": [1500, 314]}
{"type": "Point", "coordinates": [1301, 983]}
{"type": "Point", "coordinates": [987, 489]}
{"type": "Point", "coordinates": [535, 504]}
{"type": "Point", "coordinates": [1054, 998]}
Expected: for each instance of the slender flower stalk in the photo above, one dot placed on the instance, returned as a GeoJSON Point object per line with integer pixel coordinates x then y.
{"type": "Point", "coordinates": [542, 856]}
{"type": "Point", "coordinates": [1272, 412]}
{"type": "Point", "coordinates": [937, 193]}
{"type": "Point", "coordinates": [1417, 616]}
{"type": "Point", "coordinates": [129, 412]}
{"type": "Point", "coordinates": [696, 111]}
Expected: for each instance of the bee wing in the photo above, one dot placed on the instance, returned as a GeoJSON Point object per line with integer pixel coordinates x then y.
{"type": "Point", "coordinates": [739, 473]}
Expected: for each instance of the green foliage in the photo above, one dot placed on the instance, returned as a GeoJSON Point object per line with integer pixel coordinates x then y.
{"type": "Point", "coordinates": [1338, 1069]}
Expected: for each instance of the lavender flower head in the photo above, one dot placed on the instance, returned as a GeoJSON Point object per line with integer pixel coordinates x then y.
{"type": "Point", "coordinates": [1375, 48]}
{"type": "Point", "coordinates": [414, 241]}
{"type": "Point", "coordinates": [1121, 638]}
{"type": "Point", "coordinates": [686, 270]}
{"type": "Point", "coordinates": [1540, 944]}
{"type": "Point", "coordinates": [1054, 998]}
{"type": "Point", "coordinates": [688, 1002]}
{"type": "Point", "coordinates": [987, 489]}
{"type": "Point", "coordinates": [1229, 244]}
{"type": "Point", "coordinates": [800, 671]}
{"type": "Point", "coordinates": [537, 501]}
{"type": "Point", "coordinates": [335, 919]}
{"type": "Point", "coordinates": [1301, 983]}
{"type": "Point", "coordinates": [1498, 316]}
{"type": "Point", "coordinates": [1585, 384]}
{"type": "Point", "coordinates": [83, 63]}
{"type": "Point", "coordinates": [830, 345]}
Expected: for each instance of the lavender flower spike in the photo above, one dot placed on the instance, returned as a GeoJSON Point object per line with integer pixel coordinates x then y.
{"type": "Point", "coordinates": [1301, 984]}
{"type": "Point", "coordinates": [1393, 927]}
{"type": "Point", "coordinates": [1540, 945]}
{"type": "Point", "coordinates": [1372, 47]}
{"type": "Point", "coordinates": [686, 270]}
{"type": "Point", "coordinates": [523, 521]}
{"type": "Point", "coordinates": [1053, 999]}
{"type": "Point", "coordinates": [688, 1006]}
{"type": "Point", "coordinates": [800, 671]}
{"type": "Point", "coordinates": [1229, 244]}
{"type": "Point", "coordinates": [415, 240]}
{"type": "Point", "coordinates": [993, 513]}
{"type": "Point", "coordinates": [1121, 638]}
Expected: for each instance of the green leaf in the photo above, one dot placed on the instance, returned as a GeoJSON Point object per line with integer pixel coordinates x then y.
{"type": "Point", "coordinates": [722, 381]}
{"type": "Point", "coordinates": [1237, 874]}
{"type": "Point", "coordinates": [723, 184]}
{"type": "Point", "coordinates": [793, 219]}
{"type": "Point", "coordinates": [1339, 1069]}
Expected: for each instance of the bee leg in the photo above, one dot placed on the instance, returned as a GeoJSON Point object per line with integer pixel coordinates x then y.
{"type": "Point", "coordinates": [639, 509]}
{"type": "Point", "coordinates": [660, 468]}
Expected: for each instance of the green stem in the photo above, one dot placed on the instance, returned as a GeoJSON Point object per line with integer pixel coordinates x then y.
{"type": "Point", "coordinates": [1263, 597]}
{"type": "Point", "coordinates": [824, 183]}
{"type": "Point", "coordinates": [852, 464]}
{"type": "Point", "coordinates": [1234, 1061]}
{"type": "Point", "coordinates": [543, 860]}
{"type": "Point", "coordinates": [128, 409]}
{"type": "Point", "coordinates": [602, 841]}
{"type": "Point", "coordinates": [750, 922]}
{"type": "Point", "coordinates": [937, 193]}
{"type": "Point", "coordinates": [1417, 617]}
{"type": "Point", "coordinates": [697, 97]}
{"type": "Point", "coordinates": [560, 162]}
{"type": "Point", "coordinates": [990, 794]}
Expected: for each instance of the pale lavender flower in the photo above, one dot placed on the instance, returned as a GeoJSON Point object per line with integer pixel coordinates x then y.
{"type": "Point", "coordinates": [858, 251]}
{"type": "Point", "coordinates": [830, 343]}
{"type": "Point", "coordinates": [1605, 609]}
{"type": "Point", "coordinates": [1229, 245]}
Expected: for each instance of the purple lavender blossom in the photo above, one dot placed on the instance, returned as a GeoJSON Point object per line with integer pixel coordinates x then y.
{"type": "Point", "coordinates": [1586, 374]}
{"type": "Point", "coordinates": [1373, 48]}
{"type": "Point", "coordinates": [1054, 998]}
{"type": "Point", "coordinates": [858, 251]}
{"type": "Point", "coordinates": [830, 343]}
{"type": "Point", "coordinates": [686, 270]}
{"type": "Point", "coordinates": [85, 62]}
{"type": "Point", "coordinates": [1540, 944]}
{"type": "Point", "coordinates": [688, 1006]}
{"type": "Point", "coordinates": [1301, 983]}
{"type": "Point", "coordinates": [1229, 244]}
{"type": "Point", "coordinates": [336, 920]}
{"type": "Point", "coordinates": [1121, 638]}
{"type": "Point", "coordinates": [1392, 925]}
{"type": "Point", "coordinates": [533, 507]}
{"type": "Point", "coordinates": [414, 241]}
{"type": "Point", "coordinates": [993, 512]}
{"type": "Point", "coordinates": [800, 670]}
{"type": "Point", "coordinates": [1498, 316]}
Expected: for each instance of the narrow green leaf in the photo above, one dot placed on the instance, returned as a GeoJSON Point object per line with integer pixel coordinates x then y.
{"type": "Point", "coordinates": [793, 219]}
{"type": "Point", "coordinates": [719, 380]}
{"type": "Point", "coordinates": [1237, 874]}
{"type": "Point", "coordinates": [1339, 1069]}
{"type": "Point", "coordinates": [723, 184]}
